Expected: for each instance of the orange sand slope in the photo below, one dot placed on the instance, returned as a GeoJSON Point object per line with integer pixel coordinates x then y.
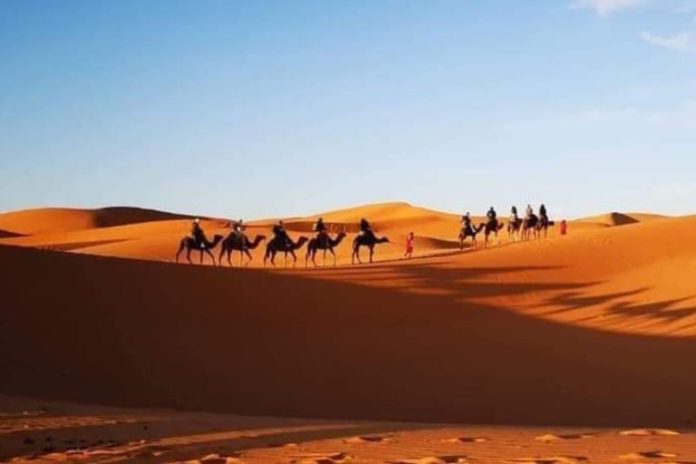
{"type": "Point", "coordinates": [35, 221]}
{"type": "Point", "coordinates": [594, 328]}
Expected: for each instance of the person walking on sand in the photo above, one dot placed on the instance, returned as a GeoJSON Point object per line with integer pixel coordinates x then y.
{"type": "Point", "coordinates": [410, 244]}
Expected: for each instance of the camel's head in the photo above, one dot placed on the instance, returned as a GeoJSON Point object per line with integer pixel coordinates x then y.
{"type": "Point", "coordinates": [302, 241]}
{"type": "Point", "coordinates": [261, 237]}
{"type": "Point", "coordinates": [341, 234]}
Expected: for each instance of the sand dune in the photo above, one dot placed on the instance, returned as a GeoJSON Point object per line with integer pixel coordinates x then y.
{"type": "Point", "coordinates": [505, 335]}
{"type": "Point", "coordinates": [6, 234]}
{"type": "Point", "coordinates": [594, 328]}
{"type": "Point", "coordinates": [46, 432]}
{"type": "Point", "coordinates": [618, 219]}
{"type": "Point", "coordinates": [591, 329]}
{"type": "Point", "coordinates": [43, 220]}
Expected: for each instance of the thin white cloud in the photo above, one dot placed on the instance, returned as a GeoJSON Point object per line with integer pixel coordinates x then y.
{"type": "Point", "coordinates": [683, 41]}
{"type": "Point", "coordinates": [605, 8]}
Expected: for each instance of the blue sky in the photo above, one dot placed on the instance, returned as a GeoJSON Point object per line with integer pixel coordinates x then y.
{"type": "Point", "coordinates": [266, 108]}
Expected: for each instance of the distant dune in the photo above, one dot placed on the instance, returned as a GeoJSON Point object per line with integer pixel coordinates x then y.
{"type": "Point", "coordinates": [43, 220]}
{"type": "Point", "coordinates": [619, 219]}
{"type": "Point", "coordinates": [593, 328]}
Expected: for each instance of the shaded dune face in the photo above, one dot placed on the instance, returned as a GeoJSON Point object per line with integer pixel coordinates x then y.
{"type": "Point", "coordinates": [446, 339]}
{"type": "Point", "coordinates": [594, 328]}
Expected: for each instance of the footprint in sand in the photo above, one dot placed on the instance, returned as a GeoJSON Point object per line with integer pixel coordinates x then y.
{"type": "Point", "coordinates": [640, 455]}
{"type": "Point", "coordinates": [315, 458]}
{"type": "Point", "coordinates": [550, 437]}
{"type": "Point", "coordinates": [552, 460]}
{"type": "Point", "coordinates": [465, 440]}
{"type": "Point", "coordinates": [215, 458]}
{"type": "Point", "coordinates": [648, 433]}
{"type": "Point", "coordinates": [452, 459]}
{"type": "Point", "coordinates": [369, 439]}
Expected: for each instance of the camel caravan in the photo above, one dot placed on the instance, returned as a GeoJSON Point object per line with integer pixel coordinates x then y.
{"type": "Point", "coordinates": [519, 229]}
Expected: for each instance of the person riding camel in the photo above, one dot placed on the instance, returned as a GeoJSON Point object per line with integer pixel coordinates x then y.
{"type": "Point", "coordinates": [542, 212]}
{"type": "Point", "coordinates": [238, 228]}
{"type": "Point", "coordinates": [529, 212]}
{"type": "Point", "coordinates": [281, 234]}
{"type": "Point", "coordinates": [321, 229]}
{"type": "Point", "coordinates": [514, 217]}
{"type": "Point", "coordinates": [366, 228]}
{"type": "Point", "coordinates": [197, 233]}
{"type": "Point", "coordinates": [466, 223]}
{"type": "Point", "coordinates": [492, 215]}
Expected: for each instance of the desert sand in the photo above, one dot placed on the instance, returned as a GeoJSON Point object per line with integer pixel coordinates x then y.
{"type": "Point", "coordinates": [542, 351]}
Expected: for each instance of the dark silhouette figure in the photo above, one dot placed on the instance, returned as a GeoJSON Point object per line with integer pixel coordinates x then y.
{"type": "Point", "coordinates": [368, 240]}
{"type": "Point", "coordinates": [238, 241]}
{"type": "Point", "coordinates": [285, 245]}
{"type": "Point", "coordinates": [543, 226]}
{"type": "Point", "coordinates": [323, 241]}
{"type": "Point", "coordinates": [493, 226]}
{"type": "Point", "coordinates": [530, 227]}
{"type": "Point", "coordinates": [203, 245]}
{"type": "Point", "coordinates": [514, 228]}
{"type": "Point", "coordinates": [280, 234]}
{"type": "Point", "coordinates": [469, 231]}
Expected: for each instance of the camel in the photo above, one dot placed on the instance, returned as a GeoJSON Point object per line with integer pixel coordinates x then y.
{"type": "Point", "coordinates": [240, 243]}
{"type": "Point", "coordinates": [323, 243]}
{"type": "Point", "coordinates": [470, 232]}
{"type": "Point", "coordinates": [205, 246]}
{"type": "Point", "coordinates": [368, 240]}
{"type": "Point", "coordinates": [514, 228]}
{"type": "Point", "coordinates": [277, 245]}
{"type": "Point", "coordinates": [543, 225]}
{"type": "Point", "coordinates": [530, 225]}
{"type": "Point", "coordinates": [493, 226]}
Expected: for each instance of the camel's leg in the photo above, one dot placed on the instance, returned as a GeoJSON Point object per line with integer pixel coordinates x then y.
{"type": "Point", "coordinates": [334, 255]}
{"type": "Point", "coordinates": [181, 248]}
{"type": "Point", "coordinates": [212, 256]}
{"type": "Point", "coordinates": [324, 259]}
{"type": "Point", "coordinates": [188, 255]}
{"type": "Point", "coordinates": [356, 255]}
{"type": "Point", "coordinates": [251, 258]}
{"type": "Point", "coordinates": [372, 252]}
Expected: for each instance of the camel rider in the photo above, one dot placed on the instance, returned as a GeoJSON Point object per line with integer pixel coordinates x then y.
{"type": "Point", "coordinates": [281, 234]}
{"type": "Point", "coordinates": [238, 228]}
{"type": "Point", "coordinates": [320, 228]}
{"type": "Point", "coordinates": [365, 228]}
{"type": "Point", "coordinates": [529, 212]}
{"type": "Point", "coordinates": [514, 217]}
{"type": "Point", "coordinates": [466, 223]}
{"type": "Point", "coordinates": [492, 215]}
{"type": "Point", "coordinates": [197, 233]}
{"type": "Point", "coordinates": [542, 211]}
